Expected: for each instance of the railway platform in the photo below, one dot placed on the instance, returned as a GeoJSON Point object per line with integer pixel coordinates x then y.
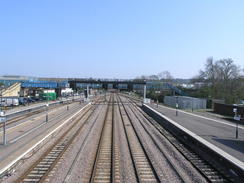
{"type": "Point", "coordinates": [220, 132]}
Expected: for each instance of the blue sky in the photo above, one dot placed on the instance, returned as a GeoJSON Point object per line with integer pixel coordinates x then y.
{"type": "Point", "coordinates": [118, 38]}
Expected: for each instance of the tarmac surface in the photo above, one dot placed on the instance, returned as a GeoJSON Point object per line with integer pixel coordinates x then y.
{"type": "Point", "coordinates": [219, 132]}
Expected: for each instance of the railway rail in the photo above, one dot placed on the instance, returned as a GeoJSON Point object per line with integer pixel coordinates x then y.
{"type": "Point", "coordinates": [103, 164]}
{"type": "Point", "coordinates": [144, 169]}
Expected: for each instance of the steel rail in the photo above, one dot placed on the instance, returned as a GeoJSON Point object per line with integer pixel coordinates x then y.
{"type": "Point", "coordinates": [102, 143]}
{"type": "Point", "coordinates": [143, 154]}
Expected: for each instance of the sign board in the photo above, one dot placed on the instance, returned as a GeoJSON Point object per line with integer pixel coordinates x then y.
{"type": "Point", "coordinates": [237, 117]}
{"type": "Point", "coordinates": [2, 119]}
{"type": "Point", "coordinates": [158, 92]}
{"type": "Point", "coordinates": [177, 105]}
{"type": "Point", "coordinates": [147, 101]}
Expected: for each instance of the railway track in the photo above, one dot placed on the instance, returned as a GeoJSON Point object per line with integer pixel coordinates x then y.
{"type": "Point", "coordinates": [106, 164]}
{"type": "Point", "coordinates": [109, 120]}
{"type": "Point", "coordinates": [206, 169]}
{"type": "Point", "coordinates": [142, 164]}
{"type": "Point", "coordinates": [40, 170]}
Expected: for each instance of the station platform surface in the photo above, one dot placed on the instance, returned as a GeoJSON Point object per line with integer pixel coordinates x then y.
{"type": "Point", "coordinates": [25, 136]}
{"type": "Point", "coordinates": [219, 132]}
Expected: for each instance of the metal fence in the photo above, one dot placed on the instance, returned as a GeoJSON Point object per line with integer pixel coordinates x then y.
{"type": "Point", "coordinates": [185, 102]}
{"type": "Point", "coordinates": [227, 110]}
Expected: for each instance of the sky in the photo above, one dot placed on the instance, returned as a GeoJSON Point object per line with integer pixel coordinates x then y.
{"type": "Point", "coordinates": [118, 38]}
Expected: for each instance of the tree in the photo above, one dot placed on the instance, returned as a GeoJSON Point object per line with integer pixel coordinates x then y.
{"type": "Point", "coordinates": [222, 76]}
{"type": "Point", "coordinates": [153, 77]}
{"type": "Point", "coordinates": [165, 76]}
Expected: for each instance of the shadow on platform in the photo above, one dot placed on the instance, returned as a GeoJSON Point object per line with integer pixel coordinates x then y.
{"type": "Point", "coordinates": [236, 144]}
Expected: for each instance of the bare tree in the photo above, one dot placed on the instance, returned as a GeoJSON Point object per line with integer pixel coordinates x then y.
{"type": "Point", "coordinates": [222, 77]}
{"type": "Point", "coordinates": [153, 77]}
{"type": "Point", "coordinates": [165, 76]}
{"type": "Point", "coordinates": [229, 74]}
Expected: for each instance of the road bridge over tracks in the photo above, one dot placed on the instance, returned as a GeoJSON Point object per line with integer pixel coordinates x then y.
{"type": "Point", "coordinates": [107, 83]}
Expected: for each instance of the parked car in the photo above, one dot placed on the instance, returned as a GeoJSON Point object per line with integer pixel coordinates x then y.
{"type": "Point", "coordinates": [23, 101]}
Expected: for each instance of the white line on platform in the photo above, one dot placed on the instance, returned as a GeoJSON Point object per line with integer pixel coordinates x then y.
{"type": "Point", "coordinates": [224, 154]}
{"type": "Point", "coordinates": [34, 146]}
{"type": "Point", "coordinates": [195, 115]}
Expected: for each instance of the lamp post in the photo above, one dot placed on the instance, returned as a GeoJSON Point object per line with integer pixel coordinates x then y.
{"type": "Point", "coordinates": [80, 98]}
{"type": "Point", "coordinates": [145, 93]}
{"type": "Point", "coordinates": [237, 118]}
{"type": "Point", "coordinates": [67, 103]}
{"type": "Point", "coordinates": [87, 89]}
{"type": "Point", "coordinates": [47, 105]}
{"type": "Point", "coordinates": [28, 100]}
{"type": "Point", "coordinates": [157, 95]}
{"type": "Point", "coordinates": [176, 106]}
{"type": "Point", "coordinates": [3, 119]}
{"type": "Point", "coordinates": [47, 112]}
{"type": "Point", "coordinates": [1, 96]}
{"type": "Point", "coordinates": [105, 99]}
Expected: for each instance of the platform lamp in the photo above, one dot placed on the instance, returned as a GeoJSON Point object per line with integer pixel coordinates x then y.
{"type": "Point", "coordinates": [1, 88]}
{"type": "Point", "coordinates": [3, 119]}
{"type": "Point", "coordinates": [47, 105]}
{"type": "Point", "coordinates": [67, 102]}
{"type": "Point", "coordinates": [176, 106]}
{"type": "Point", "coordinates": [80, 98]}
{"type": "Point", "coordinates": [237, 118]}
